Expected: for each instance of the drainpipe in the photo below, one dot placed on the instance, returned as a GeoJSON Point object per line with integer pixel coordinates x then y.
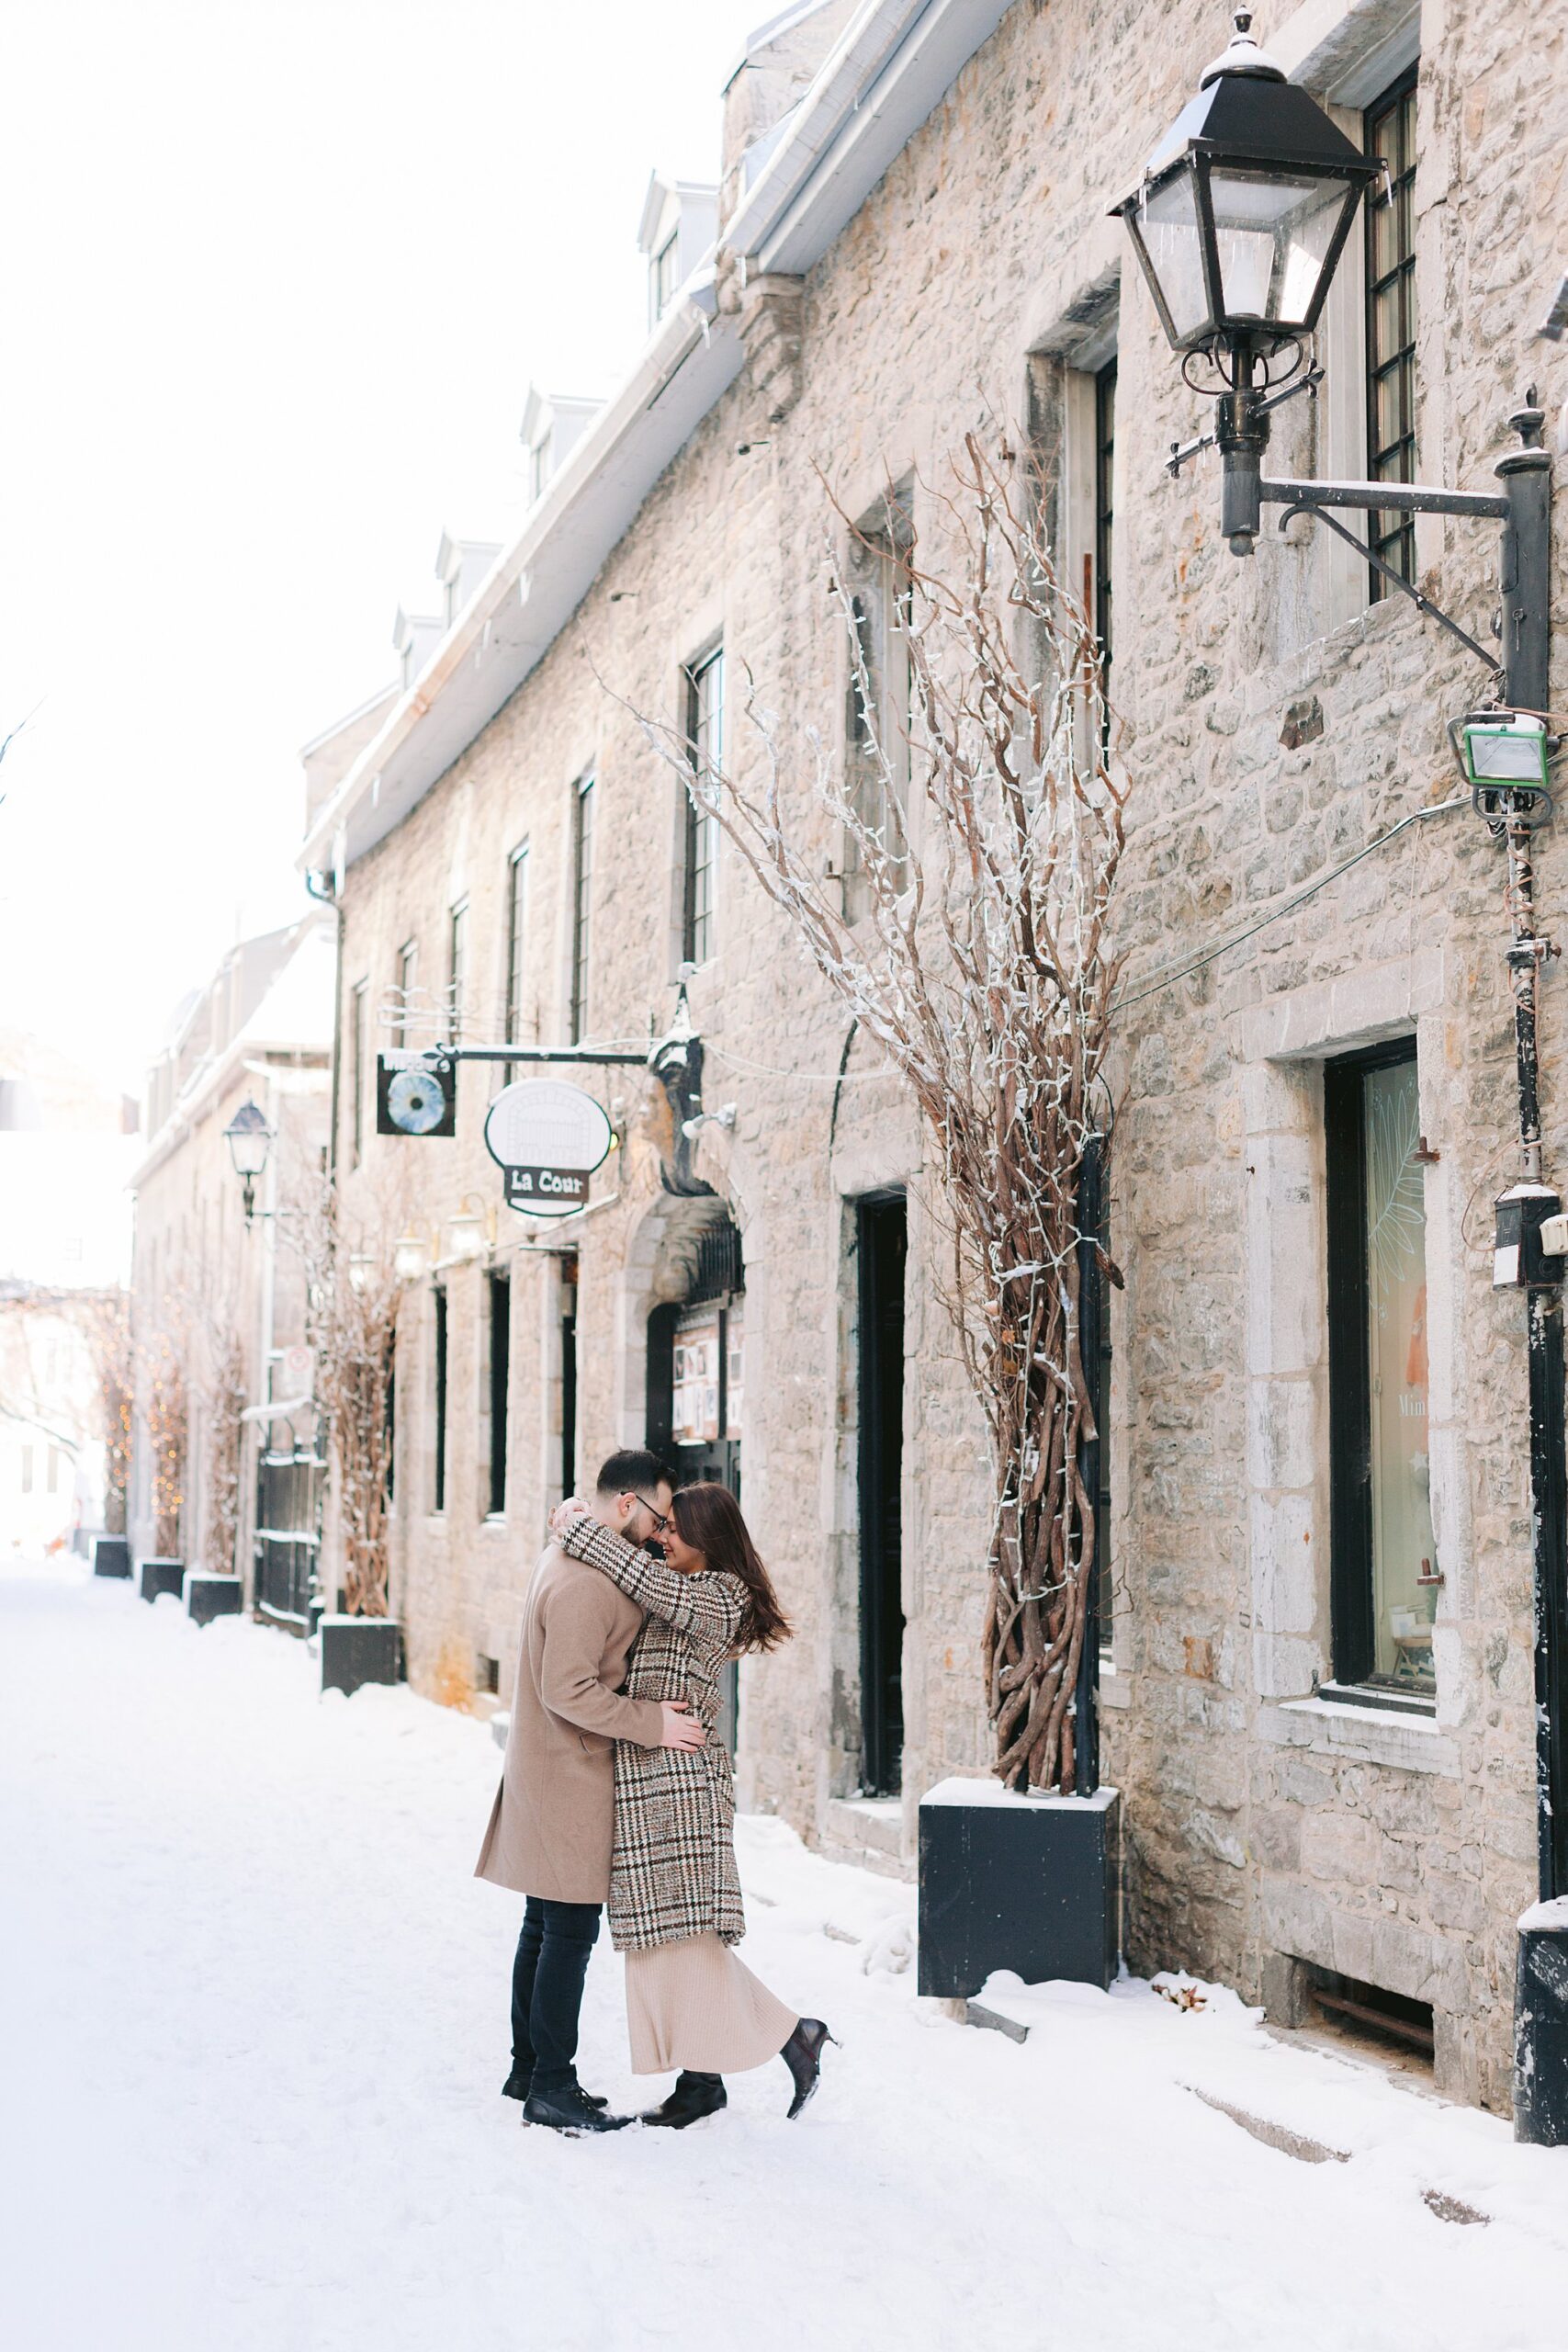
{"type": "Point", "coordinates": [1530, 1255]}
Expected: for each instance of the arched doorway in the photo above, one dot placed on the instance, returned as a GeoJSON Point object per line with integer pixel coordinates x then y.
{"type": "Point", "coordinates": [695, 1378]}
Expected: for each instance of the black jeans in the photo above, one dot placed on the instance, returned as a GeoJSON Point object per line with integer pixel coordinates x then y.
{"type": "Point", "coordinates": [547, 1988]}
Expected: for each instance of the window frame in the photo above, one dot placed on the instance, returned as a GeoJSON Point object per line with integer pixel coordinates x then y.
{"type": "Point", "coordinates": [516, 946]}
{"type": "Point", "coordinates": [498, 1305]}
{"type": "Point", "coordinates": [357, 1007]}
{"type": "Point", "coordinates": [699, 917]}
{"type": "Point", "coordinates": [408, 983]}
{"type": "Point", "coordinates": [440, 1352]}
{"type": "Point", "coordinates": [1352, 1629]}
{"type": "Point", "coordinates": [582, 814]}
{"type": "Point", "coordinates": [457, 966]}
{"type": "Point", "coordinates": [877, 594]}
{"type": "Point", "coordinates": [1396, 543]}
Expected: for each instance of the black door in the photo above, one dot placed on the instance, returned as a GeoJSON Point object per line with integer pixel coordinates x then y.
{"type": "Point", "coordinates": [882, 1238]}
{"type": "Point", "coordinates": [694, 1389]}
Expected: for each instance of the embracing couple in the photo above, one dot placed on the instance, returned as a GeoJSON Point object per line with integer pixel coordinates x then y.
{"type": "Point", "coordinates": [616, 1787]}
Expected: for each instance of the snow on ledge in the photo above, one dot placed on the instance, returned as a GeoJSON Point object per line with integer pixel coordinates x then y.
{"type": "Point", "coordinates": [1552, 1916]}
{"type": "Point", "coordinates": [960, 1791]}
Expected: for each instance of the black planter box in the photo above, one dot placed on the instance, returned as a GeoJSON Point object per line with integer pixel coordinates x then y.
{"type": "Point", "coordinates": [1028, 1883]}
{"type": "Point", "coordinates": [159, 1577]}
{"type": "Point", "coordinates": [1540, 2028]}
{"type": "Point", "coordinates": [357, 1650]}
{"type": "Point", "coordinates": [111, 1556]}
{"type": "Point", "coordinates": [208, 1596]}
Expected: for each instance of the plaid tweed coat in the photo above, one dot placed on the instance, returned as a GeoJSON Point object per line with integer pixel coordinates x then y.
{"type": "Point", "coordinates": [673, 1873]}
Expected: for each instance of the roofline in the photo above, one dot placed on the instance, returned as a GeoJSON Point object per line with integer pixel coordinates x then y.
{"type": "Point", "coordinates": [361, 710]}
{"type": "Point", "coordinates": [891, 65]}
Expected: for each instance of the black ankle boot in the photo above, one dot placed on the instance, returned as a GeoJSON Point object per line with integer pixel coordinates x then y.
{"type": "Point", "coordinates": [694, 2096]}
{"type": "Point", "coordinates": [520, 2082]}
{"type": "Point", "coordinates": [801, 2053]}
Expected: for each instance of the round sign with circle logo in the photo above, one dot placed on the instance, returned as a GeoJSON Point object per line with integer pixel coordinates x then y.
{"type": "Point", "coordinates": [546, 1137]}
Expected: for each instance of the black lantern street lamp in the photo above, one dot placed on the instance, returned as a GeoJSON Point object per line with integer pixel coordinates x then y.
{"type": "Point", "coordinates": [1238, 222]}
{"type": "Point", "coordinates": [1244, 207]}
{"type": "Point", "coordinates": [249, 1139]}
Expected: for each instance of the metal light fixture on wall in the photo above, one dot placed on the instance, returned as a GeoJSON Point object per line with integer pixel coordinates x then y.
{"type": "Point", "coordinates": [412, 1255]}
{"type": "Point", "coordinates": [361, 1266]}
{"type": "Point", "coordinates": [471, 1231]}
{"type": "Point", "coordinates": [1505, 758]}
{"type": "Point", "coordinates": [250, 1140]}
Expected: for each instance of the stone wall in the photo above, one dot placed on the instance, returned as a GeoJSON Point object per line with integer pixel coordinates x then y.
{"type": "Point", "coordinates": [1272, 725]}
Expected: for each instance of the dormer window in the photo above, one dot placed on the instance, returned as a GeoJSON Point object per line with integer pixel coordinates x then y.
{"type": "Point", "coordinates": [666, 275]}
{"type": "Point", "coordinates": [552, 424]}
{"type": "Point", "coordinates": [680, 221]}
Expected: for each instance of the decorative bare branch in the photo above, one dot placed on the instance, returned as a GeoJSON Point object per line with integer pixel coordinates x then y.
{"type": "Point", "coordinates": [987, 853]}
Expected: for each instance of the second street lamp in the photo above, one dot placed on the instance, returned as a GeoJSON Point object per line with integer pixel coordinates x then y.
{"type": "Point", "coordinates": [249, 1139]}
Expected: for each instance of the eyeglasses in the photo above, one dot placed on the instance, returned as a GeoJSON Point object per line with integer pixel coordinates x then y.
{"type": "Point", "coordinates": [662, 1522]}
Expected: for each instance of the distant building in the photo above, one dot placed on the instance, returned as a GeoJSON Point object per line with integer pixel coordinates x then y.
{"type": "Point", "coordinates": [67, 1148]}
{"type": "Point", "coordinates": [204, 1282]}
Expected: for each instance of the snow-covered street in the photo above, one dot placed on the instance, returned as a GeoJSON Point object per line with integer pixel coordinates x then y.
{"type": "Point", "coordinates": [255, 2026]}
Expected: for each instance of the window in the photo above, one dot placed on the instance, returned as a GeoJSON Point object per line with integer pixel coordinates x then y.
{"type": "Point", "coordinates": [516, 935]}
{"type": "Point", "coordinates": [1391, 322]}
{"type": "Point", "coordinates": [1385, 1562]}
{"type": "Point", "coordinates": [877, 710]}
{"type": "Point", "coordinates": [1104, 514]}
{"type": "Point", "coordinates": [541, 465]}
{"type": "Point", "coordinates": [665, 278]}
{"type": "Point", "coordinates": [356, 1039]}
{"type": "Point", "coordinates": [499, 1290]}
{"type": "Point", "coordinates": [457, 968]}
{"type": "Point", "coordinates": [581, 904]}
{"type": "Point", "coordinates": [408, 985]}
{"type": "Point", "coordinates": [439, 1489]}
{"type": "Point", "coordinates": [705, 737]}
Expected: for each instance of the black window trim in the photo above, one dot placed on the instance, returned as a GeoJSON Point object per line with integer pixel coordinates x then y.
{"type": "Point", "coordinates": [1395, 543]}
{"type": "Point", "coordinates": [1352, 1636]}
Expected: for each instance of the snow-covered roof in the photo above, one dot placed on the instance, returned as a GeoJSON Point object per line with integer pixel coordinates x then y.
{"type": "Point", "coordinates": [892, 65]}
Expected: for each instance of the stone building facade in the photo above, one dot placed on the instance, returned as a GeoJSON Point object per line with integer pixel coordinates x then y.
{"type": "Point", "coordinates": [202, 1278]}
{"type": "Point", "coordinates": [915, 248]}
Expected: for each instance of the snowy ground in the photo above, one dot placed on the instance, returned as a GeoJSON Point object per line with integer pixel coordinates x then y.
{"type": "Point", "coordinates": [255, 2006]}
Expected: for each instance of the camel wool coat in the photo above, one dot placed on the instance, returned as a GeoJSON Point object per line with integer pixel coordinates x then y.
{"type": "Point", "coordinates": [553, 1821]}
{"type": "Point", "coordinates": [673, 1873]}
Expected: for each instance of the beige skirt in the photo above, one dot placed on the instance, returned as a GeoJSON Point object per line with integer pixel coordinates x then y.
{"type": "Point", "coordinates": [694, 2005]}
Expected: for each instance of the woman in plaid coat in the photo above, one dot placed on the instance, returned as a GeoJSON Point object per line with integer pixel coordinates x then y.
{"type": "Point", "coordinates": [676, 1908]}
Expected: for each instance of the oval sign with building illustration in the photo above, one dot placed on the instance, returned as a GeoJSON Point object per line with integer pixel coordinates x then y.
{"type": "Point", "coordinates": [546, 1139]}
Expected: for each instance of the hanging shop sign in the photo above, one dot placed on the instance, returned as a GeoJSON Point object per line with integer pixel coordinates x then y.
{"type": "Point", "coordinates": [413, 1099]}
{"type": "Point", "coordinates": [546, 1137]}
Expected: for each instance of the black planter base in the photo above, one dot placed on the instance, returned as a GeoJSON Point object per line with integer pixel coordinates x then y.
{"type": "Point", "coordinates": [208, 1597]}
{"type": "Point", "coordinates": [1540, 2028]}
{"type": "Point", "coordinates": [111, 1556]}
{"type": "Point", "coordinates": [159, 1577]}
{"type": "Point", "coordinates": [357, 1650]}
{"type": "Point", "coordinates": [1027, 1883]}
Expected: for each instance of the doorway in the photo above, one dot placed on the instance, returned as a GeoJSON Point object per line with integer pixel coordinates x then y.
{"type": "Point", "coordinates": [695, 1350]}
{"type": "Point", "coordinates": [882, 1243]}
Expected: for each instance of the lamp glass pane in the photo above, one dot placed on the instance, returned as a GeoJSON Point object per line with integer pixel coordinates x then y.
{"type": "Point", "coordinates": [249, 1148]}
{"type": "Point", "coordinates": [1507, 755]}
{"type": "Point", "coordinates": [1167, 223]}
{"type": "Point", "coordinates": [1273, 231]}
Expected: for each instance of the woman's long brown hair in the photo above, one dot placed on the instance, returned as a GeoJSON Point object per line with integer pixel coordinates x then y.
{"type": "Point", "coordinates": [708, 1518]}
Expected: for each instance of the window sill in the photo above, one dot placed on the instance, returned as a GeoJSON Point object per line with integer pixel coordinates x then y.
{"type": "Point", "coordinates": [494, 1519]}
{"type": "Point", "coordinates": [1404, 1741]}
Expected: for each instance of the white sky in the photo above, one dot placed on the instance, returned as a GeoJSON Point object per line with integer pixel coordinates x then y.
{"type": "Point", "coordinates": [277, 279]}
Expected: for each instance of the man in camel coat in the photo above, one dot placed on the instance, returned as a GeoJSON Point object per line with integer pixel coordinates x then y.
{"type": "Point", "coordinates": [552, 1825]}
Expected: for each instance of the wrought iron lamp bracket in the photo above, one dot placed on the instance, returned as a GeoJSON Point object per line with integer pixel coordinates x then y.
{"type": "Point", "coordinates": [1306, 506]}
